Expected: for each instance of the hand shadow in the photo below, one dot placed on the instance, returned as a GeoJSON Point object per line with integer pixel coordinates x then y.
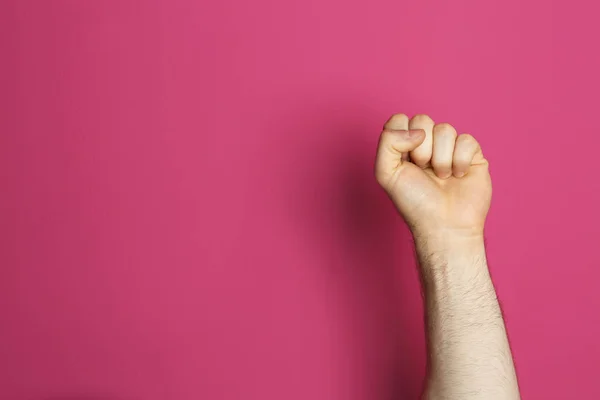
{"type": "Point", "coordinates": [370, 252]}
{"type": "Point", "coordinates": [385, 282]}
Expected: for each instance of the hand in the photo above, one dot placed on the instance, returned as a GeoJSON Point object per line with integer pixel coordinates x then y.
{"type": "Point", "coordinates": [438, 181]}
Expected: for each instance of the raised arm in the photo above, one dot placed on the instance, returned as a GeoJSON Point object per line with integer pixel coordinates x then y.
{"type": "Point", "coordinates": [440, 183]}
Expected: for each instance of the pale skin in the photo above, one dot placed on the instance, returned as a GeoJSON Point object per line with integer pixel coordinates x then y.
{"type": "Point", "coordinates": [440, 183]}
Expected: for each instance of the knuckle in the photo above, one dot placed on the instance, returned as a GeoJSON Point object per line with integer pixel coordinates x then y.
{"type": "Point", "coordinates": [398, 118]}
{"type": "Point", "coordinates": [467, 139]}
{"type": "Point", "coordinates": [421, 119]}
{"type": "Point", "coordinates": [444, 129]}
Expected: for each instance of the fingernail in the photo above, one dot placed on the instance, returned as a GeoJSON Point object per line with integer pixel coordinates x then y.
{"type": "Point", "coordinates": [460, 174]}
{"type": "Point", "coordinates": [415, 132]}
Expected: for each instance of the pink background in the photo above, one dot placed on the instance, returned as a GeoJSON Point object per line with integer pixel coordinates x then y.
{"type": "Point", "coordinates": [188, 209]}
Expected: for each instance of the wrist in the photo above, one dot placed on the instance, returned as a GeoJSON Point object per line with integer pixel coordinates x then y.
{"type": "Point", "coordinates": [445, 241]}
{"type": "Point", "coordinates": [451, 257]}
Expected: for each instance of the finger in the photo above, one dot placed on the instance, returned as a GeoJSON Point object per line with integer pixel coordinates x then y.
{"type": "Point", "coordinates": [444, 139]}
{"type": "Point", "coordinates": [393, 145]}
{"type": "Point", "coordinates": [422, 154]}
{"type": "Point", "coordinates": [466, 152]}
{"type": "Point", "coordinates": [398, 122]}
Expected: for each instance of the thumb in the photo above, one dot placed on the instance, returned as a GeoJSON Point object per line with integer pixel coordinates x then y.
{"type": "Point", "coordinates": [393, 149]}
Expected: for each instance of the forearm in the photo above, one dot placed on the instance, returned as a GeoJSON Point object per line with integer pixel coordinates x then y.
{"type": "Point", "coordinates": [469, 354]}
{"type": "Point", "coordinates": [440, 182]}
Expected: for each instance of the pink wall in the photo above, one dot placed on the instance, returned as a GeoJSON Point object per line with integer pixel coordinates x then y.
{"type": "Point", "coordinates": [188, 210]}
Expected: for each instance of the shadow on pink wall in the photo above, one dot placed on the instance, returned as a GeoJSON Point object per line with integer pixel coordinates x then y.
{"type": "Point", "coordinates": [370, 255]}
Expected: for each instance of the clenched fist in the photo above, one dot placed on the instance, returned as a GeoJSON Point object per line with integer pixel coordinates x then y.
{"type": "Point", "coordinates": [438, 180]}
